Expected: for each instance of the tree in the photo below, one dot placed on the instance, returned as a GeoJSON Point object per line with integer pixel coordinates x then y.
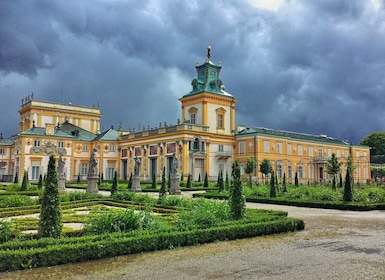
{"type": "Point", "coordinates": [99, 181]}
{"type": "Point", "coordinates": [350, 166]}
{"type": "Point", "coordinates": [50, 216]}
{"type": "Point", "coordinates": [163, 187]}
{"type": "Point", "coordinates": [78, 180]}
{"type": "Point", "coordinates": [129, 185]}
{"type": "Point", "coordinates": [348, 189]}
{"type": "Point", "coordinates": [188, 184]}
{"type": "Point", "coordinates": [25, 182]}
{"type": "Point", "coordinates": [249, 169]}
{"type": "Point", "coordinates": [333, 166]}
{"type": "Point", "coordinates": [40, 183]}
{"type": "Point", "coordinates": [340, 183]}
{"type": "Point", "coordinates": [284, 187]}
{"type": "Point", "coordinates": [236, 198]}
{"type": "Point", "coordinates": [199, 177]}
{"type": "Point", "coordinates": [265, 168]}
{"type": "Point", "coordinates": [153, 185]}
{"type": "Point", "coordinates": [376, 141]}
{"type": "Point", "coordinates": [206, 182]}
{"type": "Point", "coordinates": [273, 192]}
{"type": "Point", "coordinates": [181, 177]}
{"type": "Point", "coordinates": [16, 180]}
{"type": "Point", "coordinates": [114, 187]}
{"type": "Point", "coordinates": [221, 186]}
{"type": "Point", "coordinates": [296, 183]}
{"type": "Point", "coordinates": [227, 181]}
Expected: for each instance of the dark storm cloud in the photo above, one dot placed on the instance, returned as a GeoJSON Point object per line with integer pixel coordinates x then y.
{"type": "Point", "coordinates": [310, 66]}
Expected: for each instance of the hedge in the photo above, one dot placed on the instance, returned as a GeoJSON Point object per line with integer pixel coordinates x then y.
{"type": "Point", "coordinates": [54, 251]}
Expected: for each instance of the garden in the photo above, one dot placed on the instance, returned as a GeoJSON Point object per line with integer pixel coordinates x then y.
{"type": "Point", "coordinates": [41, 227]}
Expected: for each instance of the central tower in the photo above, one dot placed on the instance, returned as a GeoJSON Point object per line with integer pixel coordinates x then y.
{"type": "Point", "coordinates": [208, 104]}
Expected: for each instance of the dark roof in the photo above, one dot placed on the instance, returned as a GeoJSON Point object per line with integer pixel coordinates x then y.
{"type": "Point", "coordinates": [293, 135]}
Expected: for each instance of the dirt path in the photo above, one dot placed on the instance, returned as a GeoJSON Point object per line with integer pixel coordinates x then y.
{"type": "Point", "coordinates": [334, 245]}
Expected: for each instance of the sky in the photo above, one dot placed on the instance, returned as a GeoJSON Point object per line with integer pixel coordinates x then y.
{"type": "Point", "coordinates": [314, 67]}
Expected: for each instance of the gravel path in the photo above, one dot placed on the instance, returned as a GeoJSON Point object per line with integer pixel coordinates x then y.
{"type": "Point", "coordinates": [334, 245]}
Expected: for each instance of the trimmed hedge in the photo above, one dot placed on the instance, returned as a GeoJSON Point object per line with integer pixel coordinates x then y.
{"type": "Point", "coordinates": [54, 252]}
{"type": "Point", "coordinates": [353, 206]}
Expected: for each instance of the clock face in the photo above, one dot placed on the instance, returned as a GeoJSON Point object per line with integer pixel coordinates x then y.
{"type": "Point", "coordinates": [50, 131]}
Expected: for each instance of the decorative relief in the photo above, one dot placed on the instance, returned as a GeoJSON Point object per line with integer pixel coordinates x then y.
{"type": "Point", "coordinates": [49, 146]}
{"type": "Point", "coordinates": [28, 141]}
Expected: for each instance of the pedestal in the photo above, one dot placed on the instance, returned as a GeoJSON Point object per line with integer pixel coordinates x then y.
{"type": "Point", "coordinates": [174, 185]}
{"type": "Point", "coordinates": [62, 185]}
{"type": "Point", "coordinates": [92, 184]}
{"type": "Point", "coordinates": [136, 184]}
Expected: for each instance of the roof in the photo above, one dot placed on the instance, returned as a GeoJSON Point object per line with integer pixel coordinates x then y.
{"type": "Point", "coordinates": [6, 142]}
{"type": "Point", "coordinates": [289, 134]}
{"type": "Point", "coordinates": [109, 135]}
{"type": "Point", "coordinates": [64, 130]}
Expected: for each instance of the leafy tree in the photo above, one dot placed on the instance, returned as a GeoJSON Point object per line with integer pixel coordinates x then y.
{"type": "Point", "coordinates": [296, 183]}
{"type": "Point", "coordinates": [188, 184]}
{"type": "Point", "coordinates": [284, 187]}
{"type": "Point", "coordinates": [376, 141]}
{"type": "Point", "coordinates": [153, 185]}
{"type": "Point", "coordinates": [50, 216]}
{"type": "Point", "coordinates": [163, 187]}
{"type": "Point", "coordinates": [114, 187]}
{"type": "Point", "coordinates": [250, 166]}
{"type": "Point", "coordinates": [333, 167]}
{"type": "Point", "coordinates": [130, 182]}
{"type": "Point", "coordinates": [273, 192]}
{"type": "Point", "coordinates": [236, 198]}
{"type": "Point", "coordinates": [348, 190]}
{"type": "Point", "coordinates": [206, 182]}
{"type": "Point", "coordinates": [25, 182]}
{"type": "Point", "coordinates": [40, 183]}
{"type": "Point", "coordinates": [265, 167]}
{"type": "Point", "coordinates": [16, 180]}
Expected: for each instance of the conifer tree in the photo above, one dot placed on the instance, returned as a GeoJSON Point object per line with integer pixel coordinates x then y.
{"type": "Point", "coordinates": [50, 216]}
{"type": "Point", "coordinates": [99, 181]}
{"type": "Point", "coordinates": [221, 186]}
{"type": "Point", "coordinates": [169, 181]}
{"type": "Point", "coordinates": [129, 185]}
{"type": "Point", "coordinates": [340, 183]}
{"type": "Point", "coordinates": [153, 185]}
{"type": "Point", "coordinates": [284, 187]}
{"type": "Point", "coordinates": [114, 187]}
{"type": "Point", "coordinates": [227, 181]}
{"type": "Point", "coordinates": [163, 187]}
{"type": "Point", "coordinates": [78, 180]}
{"type": "Point", "coordinates": [296, 179]}
{"type": "Point", "coordinates": [348, 190]}
{"type": "Point", "coordinates": [236, 198]}
{"type": "Point", "coordinates": [206, 182]}
{"type": "Point", "coordinates": [273, 192]}
{"type": "Point", "coordinates": [16, 180]}
{"type": "Point", "coordinates": [199, 177]}
{"type": "Point", "coordinates": [188, 184]}
{"type": "Point", "coordinates": [181, 177]}
{"type": "Point", "coordinates": [24, 184]}
{"type": "Point", "coordinates": [40, 183]}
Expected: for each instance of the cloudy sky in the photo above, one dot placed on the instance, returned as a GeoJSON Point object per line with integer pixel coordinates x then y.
{"type": "Point", "coordinates": [307, 66]}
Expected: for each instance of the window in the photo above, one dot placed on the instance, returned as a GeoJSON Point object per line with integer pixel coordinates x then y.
{"type": "Point", "coordinates": [279, 170]}
{"type": "Point", "coordinates": [85, 148]}
{"type": "Point", "coordinates": [289, 171]}
{"type": "Point", "coordinates": [279, 148]}
{"type": "Point", "coordinates": [2, 151]}
{"type": "Point", "coordinates": [242, 149]}
{"type": "Point", "coordinates": [338, 153]}
{"type": "Point", "coordinates": [196, 144]}
{"type": "Point", "coordinates": [220, 148]}
{"type": "Point", "coordinates": [329, 152]}
{"type": "Point", "coordinates": [35, 170]}
{"type": "Point", "coordinates": [311, 171]}
{"type": "Point", "coordinates": [111, 171]}
{"type": "Point", "coordinates": [289, 148]}
{"type": "Point", "coordinates": [320, 152]}
{"type": "Point", "coordinates": [112, 148]}
{"type": "Point", "coordinates": [36, 143]}
{"type": "Point", "coordinates": [220, 121]}
{"type": "Point", "coordinates": [83, 168]}
{"type": "Point", "coordinates": [310, 151]}
{"type": "Point", "coordinates": [192, 118]}
{"type": "Point", "coordinates": [300, 172]}
{"type": "Point", "coordinates": [300, 150]}
{"type": "Point", "coordinates": [266, 146]}
{"type": "Point", "coordinates": [60, 144]}
{"type": "Point", "coordinates": [358, 154]}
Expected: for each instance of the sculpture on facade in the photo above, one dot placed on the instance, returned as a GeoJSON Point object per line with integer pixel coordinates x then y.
{"type": "Point", "coordinates": [137, 166]}
{"type": "Point", "coordinates": [92, 164]}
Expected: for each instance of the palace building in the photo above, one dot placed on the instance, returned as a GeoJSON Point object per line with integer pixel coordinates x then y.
{"type": "Point", "coordinates": [206, 140]}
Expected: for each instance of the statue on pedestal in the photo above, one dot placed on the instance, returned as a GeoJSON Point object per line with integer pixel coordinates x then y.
{"type": "Point", "coordinates": [137, 166]}
{"type": "Point", "coordinates": [92, 164]}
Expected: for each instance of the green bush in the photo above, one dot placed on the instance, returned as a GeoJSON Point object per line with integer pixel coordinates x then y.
{"type": "Point", "coordinates": [16, 201]}
{"type": "Point", "coordinates": [8, 231]}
